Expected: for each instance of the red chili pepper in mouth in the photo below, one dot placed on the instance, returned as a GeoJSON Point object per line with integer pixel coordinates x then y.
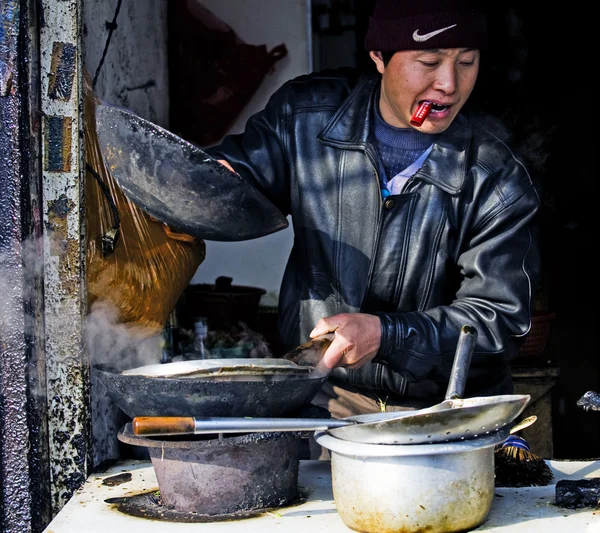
{"type": "Point", "coordinates": [421, 114]}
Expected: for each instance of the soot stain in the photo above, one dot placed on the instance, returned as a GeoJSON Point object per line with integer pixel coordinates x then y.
{"type": "Point", "coordinates": [149, 505]}
{"type": "Point", "coordinates": [117, 480]}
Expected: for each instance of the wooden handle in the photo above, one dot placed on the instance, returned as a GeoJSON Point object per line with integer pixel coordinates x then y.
{"type": "Point", "coordinates": [525, 423]}
{"type": "Point", "coordinates": [163, 425]}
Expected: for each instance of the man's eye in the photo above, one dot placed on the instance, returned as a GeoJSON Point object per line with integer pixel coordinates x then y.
{"type": "Point", "coordinates": [428, 64]}
{"type": "Point", "coordinates": [467, 63]}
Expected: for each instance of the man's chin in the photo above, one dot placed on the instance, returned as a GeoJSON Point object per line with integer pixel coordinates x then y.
{"type": "Point", "coordinates": [434, 128]}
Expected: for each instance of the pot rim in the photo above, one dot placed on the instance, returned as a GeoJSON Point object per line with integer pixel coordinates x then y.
{"type": "Point", "coordinates": [345, 447]}
{"type": "Point", "coordinates": [209, 368]}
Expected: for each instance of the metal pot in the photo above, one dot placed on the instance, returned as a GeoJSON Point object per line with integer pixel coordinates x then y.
{"type": "Point", "coordinates": [438, 488]}
{"type": "Point", "coordinates": [222, 303]}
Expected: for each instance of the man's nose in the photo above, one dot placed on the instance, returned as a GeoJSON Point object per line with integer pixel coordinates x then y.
{"type": "Point", "coordinates": [445, 79]}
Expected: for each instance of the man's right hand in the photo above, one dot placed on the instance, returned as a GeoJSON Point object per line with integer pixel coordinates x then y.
{"type": "Point", "coordinates": [356, 341]}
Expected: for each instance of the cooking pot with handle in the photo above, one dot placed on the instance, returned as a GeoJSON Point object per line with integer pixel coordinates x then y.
{"type": "Point", "coordinates": [438, 488]}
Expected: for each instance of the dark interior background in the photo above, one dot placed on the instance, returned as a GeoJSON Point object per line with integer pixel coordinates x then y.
{"type": "Point", "coordinates": [536, 77]}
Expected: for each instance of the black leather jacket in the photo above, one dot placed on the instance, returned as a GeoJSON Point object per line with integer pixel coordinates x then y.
{"type": "Point", "coordinates": [456, 247]}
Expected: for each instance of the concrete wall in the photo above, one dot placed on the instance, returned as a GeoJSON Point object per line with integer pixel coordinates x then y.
{"type": "Point", "coordinates": [260, 262]}
{"type": "Point", "coordinates": [135, 71]}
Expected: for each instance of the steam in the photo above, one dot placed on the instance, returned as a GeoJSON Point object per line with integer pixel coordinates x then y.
{"type": "Point", "coordinates": [118, 345]}
{"type": "Point", "coordinates": [114, 346]}
{"type": "Point", "coordinates": [107, 340]}
{"type": "Point", "coordinates": [17, 317]}
{"type": "Point", "coordinates": [11, 302]}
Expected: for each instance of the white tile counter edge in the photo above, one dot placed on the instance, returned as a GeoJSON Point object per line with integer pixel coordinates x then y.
{"type": "Point", "coordinates": [523, 510]}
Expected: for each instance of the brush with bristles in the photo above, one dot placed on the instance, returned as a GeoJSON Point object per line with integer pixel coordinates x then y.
{"type": "Point", "coordinates": [516, 465]}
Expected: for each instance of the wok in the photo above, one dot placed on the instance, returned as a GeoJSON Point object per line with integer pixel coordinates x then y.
{"type": "Point", "coordinates": [178, 183]}
{"type": "Point", "coordinates": [250, 396]}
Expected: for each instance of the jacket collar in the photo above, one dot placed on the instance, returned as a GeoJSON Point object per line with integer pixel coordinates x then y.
{"type": "Point", "coordinates": [350, 126]}
{"type": "Point", "coordinates": [446, 166]}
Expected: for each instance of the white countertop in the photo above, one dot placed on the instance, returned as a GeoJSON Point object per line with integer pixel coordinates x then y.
{"type": "Point", "coordinates": [523, 510]}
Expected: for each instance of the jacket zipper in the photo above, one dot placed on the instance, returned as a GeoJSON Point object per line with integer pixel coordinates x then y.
{"type": "Point", "coordinates": [378, 236]}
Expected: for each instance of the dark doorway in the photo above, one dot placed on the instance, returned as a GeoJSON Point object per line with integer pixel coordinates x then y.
{"type": "Point", "coordinates": [536, 77]}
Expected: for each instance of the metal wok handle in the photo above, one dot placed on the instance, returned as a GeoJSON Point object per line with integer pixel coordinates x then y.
{"type": "Point", "coordinates": [179, 425]}
{"type": "Point", "coordinates": [462, 362]}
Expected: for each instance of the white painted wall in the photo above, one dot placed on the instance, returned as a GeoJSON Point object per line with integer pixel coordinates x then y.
{"type": "Point", "coordinates": [260, 262]}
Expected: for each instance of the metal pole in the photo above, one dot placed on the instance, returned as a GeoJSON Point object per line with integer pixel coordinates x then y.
{"type": "Point", "coordinates": [24, 474]}
{"type": "Point", "coordinates": [67, 367]}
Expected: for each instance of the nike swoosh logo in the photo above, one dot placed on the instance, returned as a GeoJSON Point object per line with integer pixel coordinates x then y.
{"type": "Point", "coordinates": [421, 38]}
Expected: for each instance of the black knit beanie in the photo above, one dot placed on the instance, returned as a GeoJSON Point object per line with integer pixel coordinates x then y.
{"type": "Point", "coordinates": [424, 24]}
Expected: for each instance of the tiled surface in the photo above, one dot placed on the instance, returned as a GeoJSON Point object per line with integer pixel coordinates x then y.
{"type": "Point", "coordinates": [522, 510]}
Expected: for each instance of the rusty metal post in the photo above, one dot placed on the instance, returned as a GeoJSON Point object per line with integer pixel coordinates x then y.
{"type": "Point", "coordinates": [24, 472]}
{"type": "Point", "coordinates": [67, 367]}
{"type": "Point", "coordinates": [15, 503]}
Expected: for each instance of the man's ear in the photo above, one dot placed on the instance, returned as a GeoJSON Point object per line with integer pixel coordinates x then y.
{"type": "Point", "coordinates": [378, 60]}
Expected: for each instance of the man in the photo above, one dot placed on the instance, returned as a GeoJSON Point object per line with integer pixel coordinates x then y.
{"type": "Point", "coordinates": [402, 233]}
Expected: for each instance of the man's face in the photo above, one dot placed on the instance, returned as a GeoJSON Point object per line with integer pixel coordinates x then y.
{"type": "Point", "coordinates": [444, 76]}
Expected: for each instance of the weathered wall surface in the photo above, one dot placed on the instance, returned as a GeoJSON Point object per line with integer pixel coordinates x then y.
{"type": "Point", "coordinates": [135, 71]}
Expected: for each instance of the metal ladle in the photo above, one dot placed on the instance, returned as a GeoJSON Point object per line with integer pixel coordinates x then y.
{"type": "Point", "coordinates": [453, 419]}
